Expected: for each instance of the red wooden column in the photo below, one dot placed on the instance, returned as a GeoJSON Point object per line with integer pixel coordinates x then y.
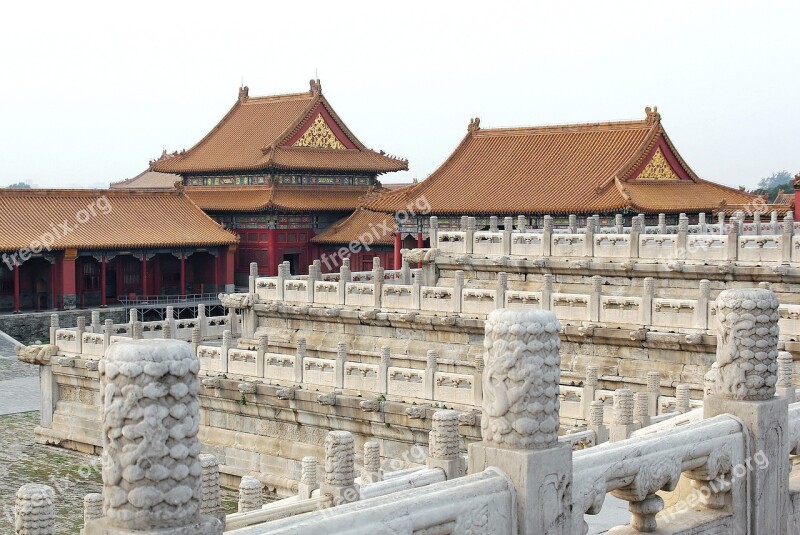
{"type": "Point", "coordinates": [53, 283]}
{"type": "Point", "coordinates": [68, 286]}
{"type": "Point", "coordinates": [103, 281]}
{"type": "Point", "coordinates": [144, 274]}
{"type": "Point", "coordinates": [183, 274]}
{"type": "Point", "coordinates": [398, 242]}
{"type": "Point", "coordinates": [16, 287]}
{"type": "Point", "coordinates": [229, 259]}
{"type": "Point", "coordinates": [272, 252]}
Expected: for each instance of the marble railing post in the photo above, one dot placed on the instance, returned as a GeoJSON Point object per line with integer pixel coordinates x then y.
{"type": "Point", "coordinates": [786, 240]}
{"type": "Point", "coordinates": [405, 273]}
{"type": "Point", "coordinates": [283, 276]}
{"type": "Point", "coordinates": [196, 339]}
{"type": "Point", "coordinates": [341, 360]}
{"type": "Point", "coordinates": [520, 418]}
{"type": "Point", "coordinates": [589, 390]}
{"type": "Point", "coordinates": [233, 322]}
{"type": "Point", "coordinates": [547, 236]}
{"type": "Point", "coordinates": [344, 277]}
{"type": "Point", "coordinates": [662, 223]}
{"type": "Point", "coordinates": [596, 414]}
{"type": "Point", "coordinates": [622, 424]}
{"type": "Point", "coordinates": [646, 310]}
{"type": "Point", "coordinates": [477, 381]}
{"type": "Point", "coordinates": [493, 224]}
{"type": "Point", "coordinates": [573, 224]}
{"type": "Point", "coordinates": [502, 288]}
{"type": "Point", "coordinates": [682, 399]}
{"type": "Point", "coordinates": [641, 401]}
{"type": "Point", "coordinates": [463, 223]}
{"type": "Point", "coordinates": [521, 223]}
{"type": "Point", "coordinates": [721, 223]}
{"type": "Point", "coordinates": [469, 240]}
{"type": "Point", "coordinates": [108, 327]}
{"type": "Point", "coordinates": [372, 472]}
{"type": "Point", "coordinates": [80, 328]}
{"type": "Point", "coordinates": [733, 241]}
{"type": "Point", "coordinates": [300, 355]}
{"type": "Point", "coordinates": [683, 234]}
{"type": "Point", "coordinates": [508, 227]}
{"type": "Point", "coordinates": [433, 230]}
{"type": "Point", "coordinates": [653, 392]}
{"type": "Point", "coordinates": [701, 312]}
{"type": "Point", "coordinates": [211, 504]}
{"type": "Point", "coordinates": [92, 507]}
{"type": "Point", "coordinates": [547, 291]}
{"type": "Point", "coordinates": [223, 352]}
{"type": "Point", "coordinates": [431, 367]}
{"type": "Point", "coordinates": [588, 240]}
{"type": "Point", "coordinates": [633, 240]}
{"type": "Point", "coordinates": [595, 299]}
{"type": "Point", "coordinates": [701, 223]}
{"type": "Point", "coordinates": [339, 480]}
{"type": "Point", "coordinates": [308, 478]}
{"type": "Point", "coordinates": [133, 316]}
{"type": "Point", "coordinates": [773, 221]}
{"type": "Point", "coordinates": [619, 224]}
{"type": "Point", "coordinates": [312, 277]}
{"type": "Point", "coordinates": [784, 386]}
{"type": "Point", "coordinates": [757, 222]}
{"type": "Point", "coordinates": [251, 280]}
{"type": "Point", "coordinates": [456, 301]}
{"type": "Point", "coordinates": [166, 330]}
{"type": "Point", "coordinates": [416, 289]}
{"type": "Point", "coordinates": [383, 369]}
{"type": "Point", "coordinates": [263, 347]}
{"type": "Point", "coordinates": [137, 330]}
{"type": "Point", "coordinates": [250, 494]}
{"type": "Point", "coordinates": [96, 324]}
{"type": "Point", "coordinates": [443, 444]}
{"type": "Point", "coordinates": [34, 510]}
{"type": "Point", "coordinates": [160, 379]}
{"type": "Point", "coordinates": [744, 386]}
{"type": "Point", "coordinates": [53, 328]}
{"type": "Point", "coordinates": [596, 219]}
{"type": "Point", "coordinates": [169, 315]}
{"type": "Point", "coordinates": [202, 320]}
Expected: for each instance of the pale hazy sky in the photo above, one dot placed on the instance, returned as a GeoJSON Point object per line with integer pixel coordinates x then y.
{"type": "Point", "coordinates": [91, 91]}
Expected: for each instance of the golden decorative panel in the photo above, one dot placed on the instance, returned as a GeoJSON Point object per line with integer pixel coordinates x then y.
{"type": "Point", "coordinates": [658, 169]}
{"type": "Point", "coordinates": [319, 135]}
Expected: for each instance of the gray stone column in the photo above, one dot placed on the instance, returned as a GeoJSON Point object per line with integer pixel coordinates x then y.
{"type": "Point", "coordinates": [34, 510]}
{"type": "Point", "coordinates": [196, 339]}
{"type": "Point", "coordinates": [308, 478]}
{"type": "Point", "coordinates": [619, 226]}
{"type": "Point", "coordinates": [339, 482]}
{"type": "Point", "coordinates": [502, 287]}
{"type": "Point", "coordinates": [431, 367]}
{"type": "Point", "coordinates": [588, 243]}
{"type": "Point", "coordinates": [80, 328]}
{"type": "Point", "coordinates": [682, 399]}
{"type": "Point", "coordinates": [641, 412]}
{"type": "Point", "coordinates": [96, 324]}
{"type": "Point", "coordinates": [653, 392]}
{"type": "Point", "coordinates": [744, 386]}
{"type": "Point", "coordinates": [493, 223]}
{"type": "Point", "coordinates": [784, 386]}
{"type": "Point", "coordinates": [662, 223]}
{"type": "Point", "coordinates": [683, 234]}
{"type": "Point", "coordinates": [212, 499]}
{"type": "Point", "coordinates": [137, 330]}
{"type": "Point", "coordinates": [434, 232]}
{"type": "Point", "coordinates": [622, 424]}
{"type": "Point", "coordinates": [547, 236]}
{"type": "Point", "coordinates": [251, 280]}
{"type": "Point", "coordinates": [469, 240]}
{"type": "Point", "coordinates": [521, 223]}
{"type": "Point", "coordinates": [166, 330]}
{"type": "Point", "coordinates": [92, 507]}
{"type": "Point", "coordinates": [646, 311]}
{"type": "Point", "coordinates": [383, 369]}
{"type": "Point", "coordinates": [786, 239]}
{"type": "Point", "coordinates": [589, 389]}
{"type": "Point", "coordinates": [53, 328]}
{"type": "Point", "coordinates": [520, 418]}
{"type": "Point", "coordinates": [250, 495]}
{"type": "Point", "coordinates": [300, 354]}
{"type": "Point", "coordinates": [202, 320]}
{"type": "Point", "coordinates": [701, 318]}
{"type": "Point", "coordinates": [443, 444]}
{"type": "Point", "coordinates": [149, 397]}
{"type": "Point", "coordinates": [701, 223]}
{"type": "Point", "coordinates": [633, 244]}
{"type": "Point", "coordinates": [261, 350]}
{"type": "Point", "coordinates": [596, 424]}
{"type": "Point", "coordinates": [508, 227]}
{"type": "Point", "coordinates": [733, 241]}
{"type": "Point", "coordinates": [341, 360]}
{"type": "Point", "coordinates": [223, 352]}
{"type": "Point", "coordinates": [372, 463]}
{"type": "Point", "coordinates": [458, 291]}
{"type": "Point", "coordinates": [547, 291]}
{"type": "Point", "coordinates": [108, 327]}
{"type": "Point", "coordinates": [573, 224]}
{"type": "Point", "coordinates": [596, 298]}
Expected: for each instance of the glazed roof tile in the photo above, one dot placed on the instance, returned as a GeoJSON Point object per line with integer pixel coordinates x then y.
{"type": "Point", "coordinates": [353, 227]}
{"type": "Point", "coordinates": [148, 180]}
{"type": "Point", "coordinates": [282, 198]}
{"type": "Point", "coordinates": [136, 219]}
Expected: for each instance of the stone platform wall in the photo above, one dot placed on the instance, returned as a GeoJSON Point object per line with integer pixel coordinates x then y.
{"type": "Point", "coordinates": [31, 326]}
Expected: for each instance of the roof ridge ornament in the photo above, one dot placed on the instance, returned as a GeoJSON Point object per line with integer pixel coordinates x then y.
{"type": "Point", "coordinates": [244, 93]}
{"type": "Point", "coordinates": [316, 87]}
{"type": "Point", "coordinates": [653, 117]}
{"type": "Point", "coordinates": [474, 124]}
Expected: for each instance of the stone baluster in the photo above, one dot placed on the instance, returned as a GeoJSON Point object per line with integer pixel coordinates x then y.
{"type": "Point", "coordinates": [53, 328]}
{"type": "Point", "coordinates": [211, 504]}
{"type": "Point", "coordinates": [133, 316]}
{"type": "Point", "coordinates": [341, 361]}
{"type": "Point", "coordinates": [169, 316]}
{"type": "Point", "coordinates": [280, 285]}
{"type": "Point", "coordinates": [431, 367]}
{"type": "Point", "coordinates": [702, 227]}
{"type": "Point", "coordinates": [757, 222]}
{"type": "Point", "coordinates": [168, 419]}
{"type": "Point", "coordinates": [108, 328]}
{"type": "Point", "coordinates": [313, 275]}
{"type": "Point", "coordinates": [223, 352]}
{"type": "Point", "coordinates": [345, 276]}
{"type": "Point", "coordinates": [166, 330]}
{"type": "Point", "coordinates": [646, 310]}
{"type": "Point", "coordinates": [508, 227]}
{"type": "Point", "coordinates": [786, 238]}
{"type": "Point", "coordinates": [469, 239]}
{"type": "Point", "coordinates": [196, 339]}
{"type": "Point", "coordinates": [416, 289]}
{"type": "Point", "coordinates": [641, 408]}
{"type": "Point", "coordinates": [262, 349]}
{"type": "Point", "coordinates": [721, 223]}
{"type": "Point", "coordinates": [733, 240]}
{"type": "Point", "coordinates": [547, 236]}
{"type": "Point", "coordinates": [573, 224]}
{"type": "Point", "coordinates": [433, 226]}
{"type": "Point", "coordinates": [405, 273]}
{"type": "Point", "coordinates": [477, 380]}
{"type": "Point", "coordinates": [443, 444]}
{"type": "Point", "coordinates": [457, 299]}
{"type": "Point", "coordinates": [202, 320]}
{"type": "Point", "coordinates": [80, 328]}
{"type": "Point", "coordinates": [463, 224]}
{"type": "Point", "coordinates": [547, 291]}
{"type": "Point", "coordinates": [642, 223]}
{"type": "Point", "coordinates": [493, 224]}
{"type": "Point", "coordinates": [596, 424]}
{"type": "Point", "coordinates": [372, 472]}
{"type": "Point", "coordinates": [137, 330]}
{"type": "Point", "coordinates": [773, 222]}
{"type": "Point", "coordinates": [588, 240]}
{"type": "Point", "coordinates": [622, 425]}
{"type": "Point", "coordinates": [92, 507]}
{"type": "Point", "coordinates": [34, 510]}
{"type": "Point", "coordinates": [662, 223]}
{"type": "Point", "coordinates": [250, 494]}
{"type": "Point", "coordinates": [590, 385]}
{"type": "Point", "coordinates": [784, 386]}
{"type": "Point", "coordinates": [308, 478]}
{"type": "Point", "coordinates": [682, 240]}
{"type": "Point", "coordinates": [744, 386]}
{"type": "Point", "coordinates": [596, 218]}
{"type": "Point", "coordinates": [653, 392]}
{"type": "Point", "coordinates": [619, 226]}
{"type": "Point", "coordinates": [502, 288]}
{"type": "Point", "coordinates": [377, 280]}
{"type": "Point", "coordinates": [251, 280]}
{"type": "Point", "coordinates": [233, 321]}
{"type": "Point", "coordinates": [701, 312]}
{"type": "Point", "coordinates": [383, 369]}
{"type": "Point", "coordinates": [521, 383]}
{"type": "Point", "coordinates": [633, 241]}
{"type": "Point", "coordinates": [521, 223]}
{"type": "Point", "coordinates": [96, 324]}
{"type": "Point", "coordinates": [300, 355]}
{"type": "Point", "coordinates": [596, 298]}
{"type": "Point", "coordinates": [339, 480]}
{"type": "Point", "coordinates": [682, 399]}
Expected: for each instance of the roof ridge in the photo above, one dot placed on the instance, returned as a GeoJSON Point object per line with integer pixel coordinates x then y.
{"type": "Point", "coordinates": [284, 96]}
{"type": "Point", "coordinates": [555, 128]}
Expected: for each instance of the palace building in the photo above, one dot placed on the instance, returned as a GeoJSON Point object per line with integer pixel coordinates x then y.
{"type": "Point", "coordinates": [278, 170]}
